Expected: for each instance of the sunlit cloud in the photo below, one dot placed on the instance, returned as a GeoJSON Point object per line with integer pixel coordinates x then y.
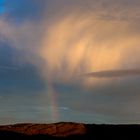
{"type": "Point", "coordinates": [75, 45]}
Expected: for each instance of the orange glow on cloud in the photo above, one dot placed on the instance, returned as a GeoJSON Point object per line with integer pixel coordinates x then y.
{"type": "Point", "coordinates": [75, 45]}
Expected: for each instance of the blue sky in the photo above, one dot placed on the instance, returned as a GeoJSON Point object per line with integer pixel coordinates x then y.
{"type": "Point", "coordinates": [2, 6]}
{"type": "Point", "coordinates": [46, 48]}
{"type": "Point", "coordinates": [25, 9]}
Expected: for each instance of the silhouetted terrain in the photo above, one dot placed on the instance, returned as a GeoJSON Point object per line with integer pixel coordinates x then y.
{"type": "Point", "coordinates": [68, 131]}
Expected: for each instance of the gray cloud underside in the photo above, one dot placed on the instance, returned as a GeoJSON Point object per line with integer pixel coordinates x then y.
{"type": "Point", "coordinates": [114, 73]}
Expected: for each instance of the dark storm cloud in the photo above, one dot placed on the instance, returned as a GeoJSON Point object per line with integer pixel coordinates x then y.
{"type": "Point", "coordinates": [16, 74]}
{"type": "Point", "coordinates": [114, 73]}
{"type": "Point", "coordinates": [22, 78]}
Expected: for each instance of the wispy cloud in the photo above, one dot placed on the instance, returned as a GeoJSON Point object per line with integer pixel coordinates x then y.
{"type": "Point", "coordinates": [114, 73]}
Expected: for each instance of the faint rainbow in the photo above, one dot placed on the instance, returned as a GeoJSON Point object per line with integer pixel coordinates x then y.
{"type": "Point", "coordinates": [52, 97]}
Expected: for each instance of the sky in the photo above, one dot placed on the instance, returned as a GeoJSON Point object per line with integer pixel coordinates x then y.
{"type": "Point", "coordinates": [70, 60]}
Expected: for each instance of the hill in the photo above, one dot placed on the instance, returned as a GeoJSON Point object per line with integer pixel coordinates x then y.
{"type": "Point", "coordinates": [68, 130]}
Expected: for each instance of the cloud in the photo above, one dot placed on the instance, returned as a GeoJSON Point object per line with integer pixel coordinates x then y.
{"type": "Point", "coordinates": [72, 41]}
{"type": "Point", "coordinates": [78, 36]}
{"type": "Point", "coordinates": [114, 73]}
{"type": "Point", "coordinates": [103, 9]}
{"type": "Point", "coordinates": [94, 36]}
{"type": "Point", "coordinates": [17, 70]}
{"type": "Point", "coordinates": [74, 45]}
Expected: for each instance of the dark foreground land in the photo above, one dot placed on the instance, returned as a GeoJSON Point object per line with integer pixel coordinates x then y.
{"type": "Point", "coordinates": [67, 130]}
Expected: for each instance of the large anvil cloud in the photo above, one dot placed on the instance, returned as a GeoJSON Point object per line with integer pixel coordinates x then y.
{"type": "Point", "coordinates": [114, 73]}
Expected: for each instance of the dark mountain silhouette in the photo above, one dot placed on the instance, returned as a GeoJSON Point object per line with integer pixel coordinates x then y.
{"type": "Point", "coordinates": [68, 130]}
